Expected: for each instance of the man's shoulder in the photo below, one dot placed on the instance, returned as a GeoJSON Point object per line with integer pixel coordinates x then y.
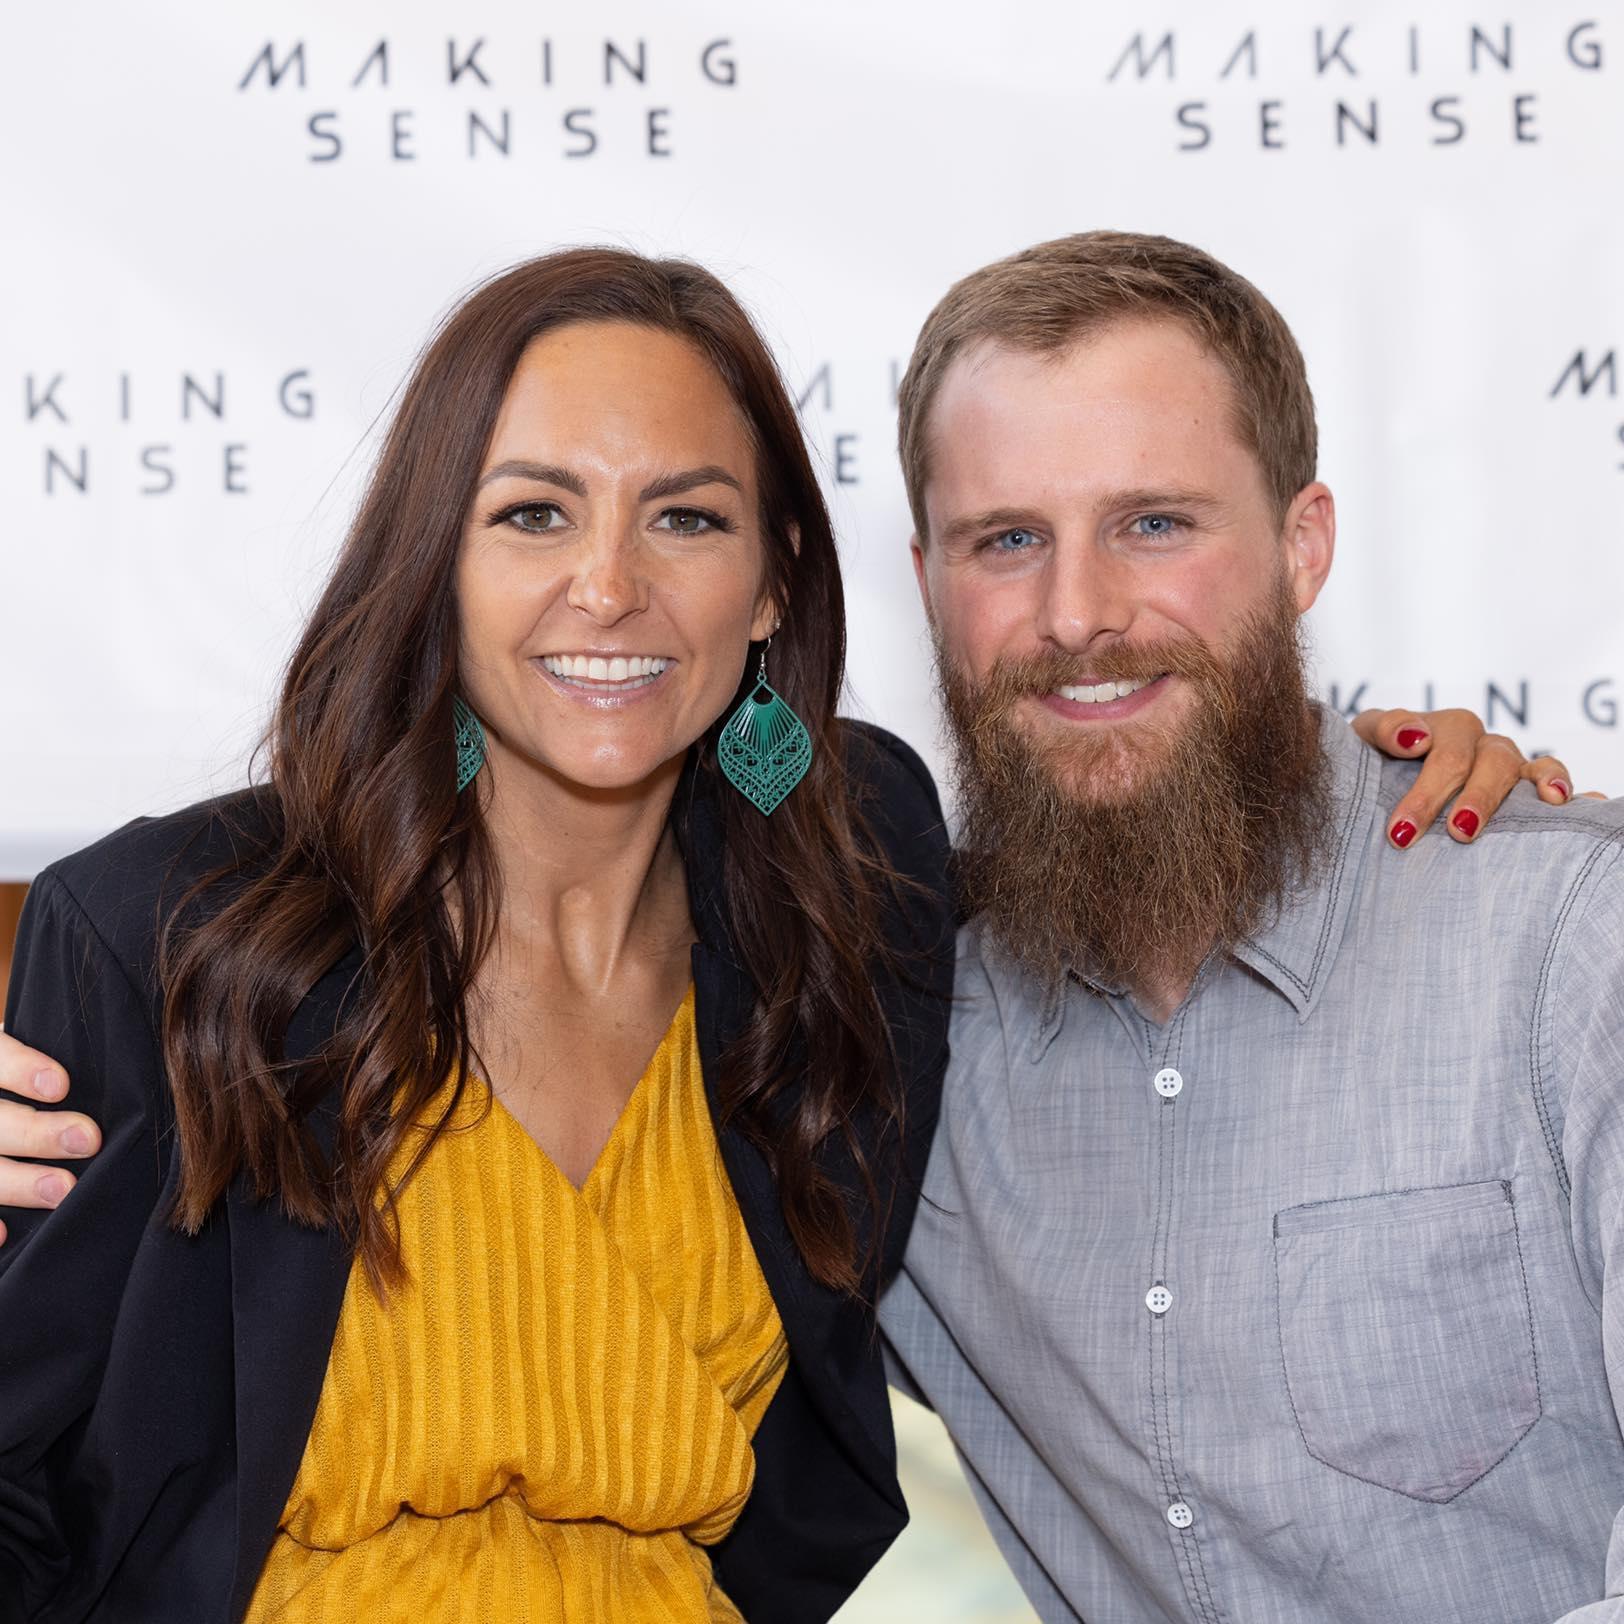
{"type": "Point", "coordinates": [1532, 875]}
{"type": "Point", "coordinates": [1526, 835]}
{"type": "Point", "coordinates": [128, 883]}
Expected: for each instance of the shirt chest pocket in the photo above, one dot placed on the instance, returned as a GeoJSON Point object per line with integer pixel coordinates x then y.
{"type": "Point", "coordinates": [1406, 1335]}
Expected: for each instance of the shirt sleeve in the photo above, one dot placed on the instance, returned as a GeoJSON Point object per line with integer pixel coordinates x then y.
{"type": "Point", "coordinates": [63, 1272]}
{"type": "Point", "coordinates": [1585, 1057]}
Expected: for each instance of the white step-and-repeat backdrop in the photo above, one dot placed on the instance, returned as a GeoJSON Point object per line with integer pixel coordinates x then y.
{"type": "Point", "coordinates": [228, 227]}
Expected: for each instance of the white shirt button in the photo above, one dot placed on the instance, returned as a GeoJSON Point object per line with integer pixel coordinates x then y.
{"type": "Point", "coordinates": [1180, 1514]}
{"type": "Point", "coordinates": [1169, 1082]}
{"type": "Point", "coordinates": [1158, 1299]}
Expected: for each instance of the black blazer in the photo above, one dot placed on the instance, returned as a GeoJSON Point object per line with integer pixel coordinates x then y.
{"type": "Point", "coordinates": [157, 1390]}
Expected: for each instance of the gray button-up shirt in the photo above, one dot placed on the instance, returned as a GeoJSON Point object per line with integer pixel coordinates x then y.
{"type": "Point", "coordinates": [1308, 1305]}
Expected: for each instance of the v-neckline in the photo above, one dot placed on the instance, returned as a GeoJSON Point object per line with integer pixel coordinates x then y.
{"type": "Point", "coordinates": [622, 1125]}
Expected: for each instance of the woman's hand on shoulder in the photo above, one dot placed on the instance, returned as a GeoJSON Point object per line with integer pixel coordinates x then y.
{"type": "Point", "coordinates": [26, 1132]}
{"type": "Point", "coordinates": [1459, 757]}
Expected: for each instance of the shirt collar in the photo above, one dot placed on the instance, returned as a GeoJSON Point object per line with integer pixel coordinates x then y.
{"type": "Point", "coordinates": [1295, 953]}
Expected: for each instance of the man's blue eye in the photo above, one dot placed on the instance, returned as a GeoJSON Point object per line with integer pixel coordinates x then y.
{"type": "Point", "coordinates": [1014, 541]}
{"type": "Point", "coordinates": [1156, 524]}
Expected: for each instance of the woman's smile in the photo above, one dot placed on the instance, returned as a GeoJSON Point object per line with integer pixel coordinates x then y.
{"type": "Point", "coordinates": [603, 678]}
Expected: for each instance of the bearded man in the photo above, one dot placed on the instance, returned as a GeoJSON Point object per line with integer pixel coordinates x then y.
{"type": "Point", "coordinates": [1271, 1266]}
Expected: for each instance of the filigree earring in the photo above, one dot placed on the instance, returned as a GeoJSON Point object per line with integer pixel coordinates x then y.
{"type": "Point", "coordinates": [470, 738]}
{"type": "Point", "coordinates": [764, 749]}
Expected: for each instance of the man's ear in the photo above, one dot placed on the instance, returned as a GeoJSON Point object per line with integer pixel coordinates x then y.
{"type": "Point", "coordinates": [917, 547]}
{"type": "Point", "coordinates": [1309, 538]}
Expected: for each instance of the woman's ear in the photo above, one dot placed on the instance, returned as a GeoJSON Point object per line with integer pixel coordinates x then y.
{"type": "Point", "coordinates": [768, 618]}
{"type": "Point", "coordinates": [769, 611]}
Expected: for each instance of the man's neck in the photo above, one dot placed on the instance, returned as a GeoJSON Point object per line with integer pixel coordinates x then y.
{"type": "Point", "coordinates": [1158, 990]}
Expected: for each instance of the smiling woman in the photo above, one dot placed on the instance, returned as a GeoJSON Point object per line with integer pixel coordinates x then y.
{"type": "Point", "coordinates": [504, 1118]}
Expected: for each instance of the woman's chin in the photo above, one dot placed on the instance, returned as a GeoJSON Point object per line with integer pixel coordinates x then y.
{"type": "Point", "coordinates": [616, 775]}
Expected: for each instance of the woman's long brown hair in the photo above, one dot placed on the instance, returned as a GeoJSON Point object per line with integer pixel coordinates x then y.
{"type": "Point", "coordinates": [372, 847]}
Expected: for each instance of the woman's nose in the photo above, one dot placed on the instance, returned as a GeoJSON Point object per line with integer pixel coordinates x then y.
{"type": "Point", "coordinates": [611, 582]}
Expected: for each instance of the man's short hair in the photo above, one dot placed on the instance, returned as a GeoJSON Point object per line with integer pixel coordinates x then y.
{"type": "Point", "coordinates": [1045, 299]}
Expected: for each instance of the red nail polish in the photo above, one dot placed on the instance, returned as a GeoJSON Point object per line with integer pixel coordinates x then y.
{"type": "Point", "coordinates": [1467, 821]}
{"type": "Point", "coordinates": [1402, 833]}
{"type": "Point", "coordinates": [1561, 787]}
{"type": "Point", "coordinates": [1410, 737]}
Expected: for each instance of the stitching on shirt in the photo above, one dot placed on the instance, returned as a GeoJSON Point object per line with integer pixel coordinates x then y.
{"type": "Point", "coordinates": [1533, 1348]}
{"type": "Point", "coordinates": [1162, 1421]}
{"type": "Point", "coordinates": [1187, 1535]}
{"type": "Point", "coordinates": [1381, 1195]}
{"type": "Point", "coordinates": [1157, 1343]}
{"type": "Point", "coordinates": [1338, 873]}
{"type": "Point", "coordinates": [1536, 1067]}
{"type": "Point", "coordinates": [1191, 1558]}
{"type": "Point", "coordinates": [1366, 761]}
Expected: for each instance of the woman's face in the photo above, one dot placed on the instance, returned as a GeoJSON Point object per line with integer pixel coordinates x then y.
{"type": "Point", "coordinates": [612, 569]}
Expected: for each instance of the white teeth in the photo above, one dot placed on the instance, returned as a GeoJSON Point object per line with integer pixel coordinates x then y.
{"type": "Point", "coordinates": [1097, 693]}
{"type": "Point", "coordinates": [619, 669]}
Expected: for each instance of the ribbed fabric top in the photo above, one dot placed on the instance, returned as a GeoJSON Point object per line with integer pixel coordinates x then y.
{"type": "Point", "coordinates": [552, 1417]}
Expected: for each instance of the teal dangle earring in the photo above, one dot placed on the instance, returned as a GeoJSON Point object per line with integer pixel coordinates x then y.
{"type": "Point", "coordinates": [470, 739]}
{"type": "Point", "coordinates": [764, 749]}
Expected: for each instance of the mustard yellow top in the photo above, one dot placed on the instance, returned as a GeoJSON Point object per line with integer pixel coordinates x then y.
{"type": "Point", "coordinates": [552, 1418]}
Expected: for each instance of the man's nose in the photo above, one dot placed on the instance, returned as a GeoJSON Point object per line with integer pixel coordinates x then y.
{"type": "Point", "coordinates": [1088, 593]}
{"type": "Point", "coordinates": [611, 580]}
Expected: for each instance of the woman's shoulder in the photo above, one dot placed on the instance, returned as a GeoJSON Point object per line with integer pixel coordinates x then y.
{"type": "Point", "coordinates": [896, 797]}
{"type": "Point", "coordinates": [886, 765]}
{"type": "Point", "coordinates": [129, 882]}
{"type": "Point", "coordinates": [893, 790]}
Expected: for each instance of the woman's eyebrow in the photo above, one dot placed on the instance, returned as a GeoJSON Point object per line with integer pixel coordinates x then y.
{"type": "Point", "coordinates": [687, 480]}
{"type": "Point", "coordinates": [545, 472]}
{"type": "Point", "coordinates": [672, 484]}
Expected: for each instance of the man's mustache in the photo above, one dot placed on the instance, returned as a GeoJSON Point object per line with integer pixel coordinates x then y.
{"type": "Point", "coordinates": [1043, 670]}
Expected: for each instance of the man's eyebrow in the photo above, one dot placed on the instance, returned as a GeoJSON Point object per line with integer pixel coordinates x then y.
{"type": "Point", "coordinates": [689, 479]}
{"type": "Point", "coordinates": [544, 473]}
{"type": "Point", "coordinates": [970, 525]}
{"type": "Point", "coordinates": [1160, 496]}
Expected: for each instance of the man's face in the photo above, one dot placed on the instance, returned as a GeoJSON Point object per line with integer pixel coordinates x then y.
{"type": "Point", "coordinates": [1094, 516]}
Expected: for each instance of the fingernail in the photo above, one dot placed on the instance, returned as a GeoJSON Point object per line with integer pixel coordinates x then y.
{"type": "Point", "coordinates": [51, 1188]}
{"type": "Point", "coordinates": [1410, 737]}
{"type": "Point", "coordinates": [76, 1142]}
{"type": "Point", "coordinates": [1402, 833]}
{"type": "Point", "coordinates": [1562, 788]}
{"type": "Point", "coordinates": [48, 1085]}
{"type": "Point", "coordinates": [1467, 821]}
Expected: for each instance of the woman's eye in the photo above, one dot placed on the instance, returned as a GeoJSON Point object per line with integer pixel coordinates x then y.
{"type": "Point", "coordinates": [688, 521]}
{"type": "Point", "coordinates": [1014, 541]}
{"type": "Point", "coordinates": [1156, 524]}
{"type": "Point", "coordinates": [536, 517]}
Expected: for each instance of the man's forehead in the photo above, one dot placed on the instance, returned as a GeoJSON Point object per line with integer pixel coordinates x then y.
{"type": "Point", "coordinates": [1156, 360]}
{"type": "Point", "coordinates": [1138, 403]}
